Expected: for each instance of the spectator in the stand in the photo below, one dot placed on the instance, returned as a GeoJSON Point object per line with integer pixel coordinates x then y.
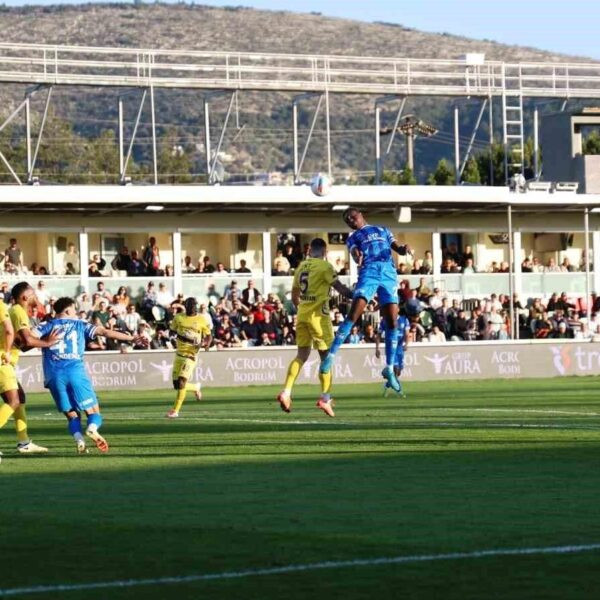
{"type": "Point", "coordinates": [415, 333]}
{"type": "Point", "coordinates": [354, 337]}
{"type": "Point", "coordinates": [137, 267]}
{"type": "Point", "coordinates": [42, 294]}
{"type": "Point", "coordinates": [34, 319]}
{"type": "Point", "coordinates": [292, 256]}
{"type": "Point", "coordinates": [435, 301]}
{"type": "Point", "coordinates": [536, 265]}
{"type": "Point", "coordinates": [561, 332]}
{"type": "Point", "coordinates": [93, 270]}
{"type": "Point", "coordinates": [416, 267]}
{"type": "Point", "coordinates": [99, 262]}
{"type": "Point", "coordinates": [221, 270]}
{"type": "Point", "coordinates": [494, 268]}
{"type": "Point", "coordinates": [34, 269]}
{"type": "Point", "coordinates": [402, 269]}
{"type": "Point", "coordinates": [122, 261]}
{"type": "Point", "coordinates": [563, 303]}
{"type": "Point", "coordinates": [288, 337]}
{"type": "Point", "coordinates": [582, 262]}
{"type": "Point", "coordinates": [542, 327]}
{"type": "Point", "coordinates": [459, 326]}
{"type": "Point", "coordinates": [250, 295]}
{"type": "Point", "coordinates": [72, 257]}
{"type": "Point", "coordinates": [164, 297]}
{"type": "Point", "coordinates": [4, 292]}
{"type": "Point", "coordinates": [169, 271]}
{"type": "Point", "coordinates": [268, 327]}
{"type": "Point", "coordinates": [452, 253]}
{"type": "Point", "coordinates": [369, 335]}
{"type": "Point", "coordinates": [467, 255]}
{"type": "Point", "coordinates": [13, 257]}
{"type": "Point", "coordinates": [281, 263]}
{"type": "Point", "coordinates": [188, 265]}
{"type": "Point", "coordinates": [526, 266]}
{"type": "Point", "coordinates": [423, 290]}
{"type": "Point", "coordinates": [231, 290]}
{"type": "Point", "coordinates": [144, 336]}
{"type": "Point", "coordinates": [121, 300]}
{"type": "Point", "coordinates": [102, 314]}
{"type": "Point", "coordinates": [427, 267]}
{"type": "Point", "coordinates": [249, 331]}
{"type": "Point", "coordinates": [449, 266]}
{"type": "Point", "coordinates": [207, 266]}
{"type": "Point", "coordinates": [436, 336]}
{"type": "Point", "coordinates": [440, 316]}
{"type": "Point", "coordinates": [557, 318]}
{"type": "Point", "coordinates": [414, 304]}
{"type": "Point", "coordinates": [104, 293]}
{"type": "Point", "coordinates": [279, 268]}
{"type": "Point", "coordinates": [339, 266]}
{"type": "Point", "coordinates": [495, 303]}
{"type": "Point", "coordinates": [149, 300]}
{"type": "Point", "coordinates": [551, 306]}
{"type": "Point", "coordinates": [496, 320]}
{"type": "Point", "coordinates": [567, 266]}
{"type": "Point", "coordinates": [151, 257]}
{"type": "Point", "coordinates": [84, 303]}
{"type": "Point", "coordinates": [480, 321]}
{"type": "Point", "coordinates": [552, 267]}
{"type": "Point", "coordinates": [243, 268]}
{"type": "Point", "coordinates": [132, 319]}
{"type": "Point", "coordinates": [469, 266]}
{"type": "Point", "coordinates": [404, 291]}
{"type": "Point", "coordinates": [504, 267]}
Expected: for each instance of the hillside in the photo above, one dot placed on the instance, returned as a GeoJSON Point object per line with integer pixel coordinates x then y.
{"type": "Point", "coordinates": [265, 142]}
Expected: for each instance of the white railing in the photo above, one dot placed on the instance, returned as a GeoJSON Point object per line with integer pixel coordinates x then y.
{"type": "Point", "coordinates": [75, 65]}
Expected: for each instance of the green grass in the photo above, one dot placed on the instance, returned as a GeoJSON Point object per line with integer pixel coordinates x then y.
{"type": "Point", "coordinates": [236, 484]}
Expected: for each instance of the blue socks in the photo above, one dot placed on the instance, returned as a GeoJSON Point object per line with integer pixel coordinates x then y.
{"type": "Point", "coordinates": [74, 426]}
{"type": "Point", "coordinates": [391, 345]}
{"type": "Point", "coordinates": [342, 333]}
{"type": "Point", "coordinates": [95, 419]}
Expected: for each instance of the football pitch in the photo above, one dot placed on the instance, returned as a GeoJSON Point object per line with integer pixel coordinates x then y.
{"type": "Point", "coordinates": [461, 490]}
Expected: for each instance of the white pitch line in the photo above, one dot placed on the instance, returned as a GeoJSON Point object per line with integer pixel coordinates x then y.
{"type": "Point", "coordinates": [114, 418]}
{"type": "Point", "coordinates": [538, 411]}
{"type": "Point", "coordinates": [340, 564]}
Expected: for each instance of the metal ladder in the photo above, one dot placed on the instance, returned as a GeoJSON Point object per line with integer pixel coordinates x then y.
{"type": "Point", "coordinates": [512, 130]}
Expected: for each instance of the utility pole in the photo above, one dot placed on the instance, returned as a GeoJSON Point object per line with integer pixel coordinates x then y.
{"type": "Point", "coordinates": [410, 126]}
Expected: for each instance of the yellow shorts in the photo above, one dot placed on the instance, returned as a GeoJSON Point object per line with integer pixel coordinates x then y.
{"type": "Point", "coordinates": [314, 331]}
{"type": "Point", "coordinates": [8, 379]}
{"type": "Point", "coordinates": [183, 367]}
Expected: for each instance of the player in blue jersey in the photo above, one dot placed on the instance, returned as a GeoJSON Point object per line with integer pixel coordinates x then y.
{"type": "Point", "coordinates": [403, 326]}
{"type": "Point", "coordinates": [371, 248]}
{"type": "Point", "coordinates": [64, 370]}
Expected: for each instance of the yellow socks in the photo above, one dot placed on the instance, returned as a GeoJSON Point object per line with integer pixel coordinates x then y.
{"type": "Point", "coordinates": [192, 387]}
{"type": "Point", "coordinates": [325, 379]}
{"type": "Point", "coordinates": [292, 374]}
{"type": "Point", "coordinates": [179, 400]}
{"type": "Point", "coordinates": [5, 413]}
{"type": "Point", "coordinates": [21, 423]}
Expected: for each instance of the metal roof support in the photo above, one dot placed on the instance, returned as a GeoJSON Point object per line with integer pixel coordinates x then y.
{"type": "Point", "coordinates": [153, 118]}
{"type": "Point", "coordinates": [31, 163]}
{"type": "Point", "coordinates": [123, 173]}
{"type": "Point", "coordinates": [491, 134]}
{"type": "Point", "coordinates": [298, 164]}
{"type": "Point", "coordinates": [586, 226]}
{"type": "Point", "coordinates": [473, 136]}
{"type": "Point", "coordinates": [211, 162]}
{"type": "Point", "coordinates": [378, 159]}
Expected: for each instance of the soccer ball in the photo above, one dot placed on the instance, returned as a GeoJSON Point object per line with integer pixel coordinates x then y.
{"type": "Point", "coordinates": [320, 184]}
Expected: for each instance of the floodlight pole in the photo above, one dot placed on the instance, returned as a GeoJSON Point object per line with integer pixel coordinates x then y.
{"type": "Point", "coordinates": [456, 148]}
{"type": "Point", "coordinates": [536, 145]}
{"type": "Point", "coordinates": [491, 132]}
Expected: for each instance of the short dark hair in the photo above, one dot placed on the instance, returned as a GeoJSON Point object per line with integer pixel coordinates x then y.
{"type": "Point", "coordinates": [63, 303]}
{"type": "Point", "coordinates": [349, 210]}
{"type": "Point", "coordinates": [191, 306]}
{"type": "Point", "coordinates": [318, 244]}
{"type": "Point", "coordinates": [18, 289]}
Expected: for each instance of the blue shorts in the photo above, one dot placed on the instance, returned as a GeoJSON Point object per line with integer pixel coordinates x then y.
{"type": "Point", "coordinates": [71, 389]}
{"type": "Point", "coordinates": [377, 278]}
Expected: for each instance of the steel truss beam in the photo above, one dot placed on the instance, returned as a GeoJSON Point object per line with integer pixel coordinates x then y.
{"type": "Point", "coordinates": [298, 164]}
{"type": "Point", "coordinates": [459, 166]}
{"type": "Point", "coordinates": [26, 106]}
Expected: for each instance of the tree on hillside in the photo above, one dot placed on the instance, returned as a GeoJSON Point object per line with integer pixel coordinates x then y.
{"type": "Point", "coordinates": [174, 159]}
{"type": "Point", "coordinates": [591, 144]}
{"type": "Point", "coordinates": [442, 175]}
{"type": "Point", "coordinates": [101, 159]}
{"type": "Point", "coordinates": [471, 172]}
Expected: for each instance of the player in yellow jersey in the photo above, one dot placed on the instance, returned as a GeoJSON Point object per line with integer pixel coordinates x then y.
{"type": "Point", "coordinates": [15, 332]}
{"type": "Point", "coordinates": [193, 333]}
{"type": "Point", "coordinates": [310, 293]}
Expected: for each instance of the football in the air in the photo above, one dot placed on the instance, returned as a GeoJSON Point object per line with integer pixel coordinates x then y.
{"type": "Point", "coordinates": [320, 184]}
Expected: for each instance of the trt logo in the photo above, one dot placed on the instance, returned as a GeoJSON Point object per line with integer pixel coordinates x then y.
{"type": "Point", "coordinates": [561, 357]}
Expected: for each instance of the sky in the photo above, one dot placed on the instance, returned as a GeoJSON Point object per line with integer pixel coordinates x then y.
{"type": "Point", "coordinates": [569, 27]}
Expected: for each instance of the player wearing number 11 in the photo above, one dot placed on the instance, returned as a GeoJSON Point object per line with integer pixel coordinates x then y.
{"type": "Point", "coordinates": [64, 370]}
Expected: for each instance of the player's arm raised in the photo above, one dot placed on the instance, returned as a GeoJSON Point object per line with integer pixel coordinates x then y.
{"type": "Point", "coordinates": [115, 335]}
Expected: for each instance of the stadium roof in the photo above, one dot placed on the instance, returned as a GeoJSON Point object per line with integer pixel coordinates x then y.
{"type": "Point", "coordinates": [190, 198]}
